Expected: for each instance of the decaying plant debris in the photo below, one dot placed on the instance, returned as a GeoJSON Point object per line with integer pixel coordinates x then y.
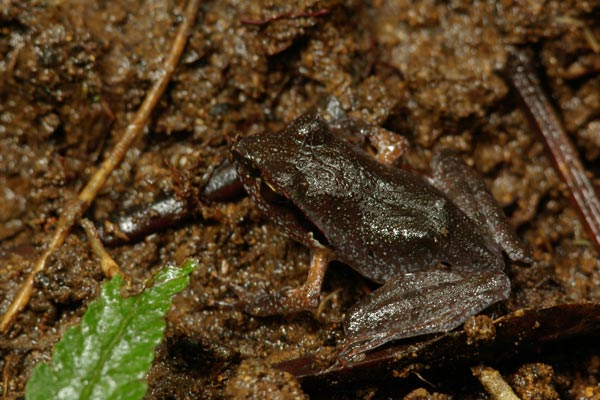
{"type": "Point", "coordinates": [72, 75]}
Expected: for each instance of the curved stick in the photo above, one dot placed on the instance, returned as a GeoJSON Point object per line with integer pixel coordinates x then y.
{"type": "Point", "coordinates": [77, 207]}
{"type": "Point", "coordinates": [545, 121]}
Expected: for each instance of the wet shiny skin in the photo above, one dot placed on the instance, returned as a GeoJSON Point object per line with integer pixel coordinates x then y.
{"type": "Point", "coordinates": [439, 262]}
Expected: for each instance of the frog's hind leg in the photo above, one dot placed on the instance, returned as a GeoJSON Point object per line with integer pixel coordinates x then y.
{"type": "Point", "coordinates": [468, 192]}
{"type": "Point", "coordinates": [388, 145]}
{"type": "Point", "coordinates": [420, 303]}
{"type": "Point", "coordinates": [304, 298]}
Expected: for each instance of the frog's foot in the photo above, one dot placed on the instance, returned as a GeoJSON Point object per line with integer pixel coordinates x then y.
{"type": "Point", "coordinates": [389, 145]}
{"type": "Point", "coordinates": [420, 303]}
{"type": "Point", "coordinates": [284, 302]}
{"type": "Point", "coordinates": [304, 298]}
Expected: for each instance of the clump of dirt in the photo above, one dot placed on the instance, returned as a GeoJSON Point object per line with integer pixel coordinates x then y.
{"type": "Point", "coordinates": [71, 76]}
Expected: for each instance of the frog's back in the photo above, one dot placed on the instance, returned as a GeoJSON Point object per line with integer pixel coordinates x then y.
{"type": "Point", "coordinates": [384, 221]}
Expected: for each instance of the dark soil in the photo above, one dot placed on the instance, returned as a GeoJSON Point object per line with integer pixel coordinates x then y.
{"type": "Point", "coordinates": [73, 73]}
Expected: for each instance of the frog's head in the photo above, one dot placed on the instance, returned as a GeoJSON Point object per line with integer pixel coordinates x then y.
{"type": "Point", "coordinates": [271, 168]}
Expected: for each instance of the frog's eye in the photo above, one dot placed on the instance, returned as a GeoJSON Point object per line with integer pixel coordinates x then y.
{"type": "Point", "coordinates": [270, 193]}
{"type": "Point", "coordinates": [272, 186]}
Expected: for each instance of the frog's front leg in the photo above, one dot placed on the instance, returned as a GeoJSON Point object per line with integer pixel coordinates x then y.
{"type": "Point", "coordinates": [304, 298]}
{"type": "Point", "coordinates": [420, 303]}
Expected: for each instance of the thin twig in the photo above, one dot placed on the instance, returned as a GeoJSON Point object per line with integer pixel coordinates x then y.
{"type": "Point", "coordinates": [545, 121]}
{"type": "Point", "coordinates": [6, 373]}
{"type": "Point", "coordinates": [110, 268]}
{"type": "Point", "coordinates": [288, 15]}
{"type": "Point", "coordinates": [494, 384]}
{"type": "Point", "coordinates": [75, 210]}
{"type": "Point", "coordinates": [587, 32]}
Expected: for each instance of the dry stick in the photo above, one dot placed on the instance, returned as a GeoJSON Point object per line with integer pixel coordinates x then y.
{"type": "Point", "coordinates": [546, 122]}
{"type": "Point", "coordinates": [494, 384]}
{"type": "Point", "coordinates": [108, 265]}
{"type": "Point", "coordinates": [6, 373]}
{"type": "Point", "coordinates": [76, 208]}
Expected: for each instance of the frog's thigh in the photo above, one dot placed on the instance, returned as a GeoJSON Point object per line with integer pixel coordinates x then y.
{"type": "Point", "coordinates": [420, 303]}
{"type": "Point", "coordinates": [468, 192]}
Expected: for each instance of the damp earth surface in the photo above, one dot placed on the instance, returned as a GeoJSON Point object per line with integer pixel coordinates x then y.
{"type": "Point", "coordinates": [72, 75]}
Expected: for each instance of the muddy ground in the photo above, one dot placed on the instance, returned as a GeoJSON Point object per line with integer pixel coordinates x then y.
{"type": "Point", "coordinates": [73, 73]}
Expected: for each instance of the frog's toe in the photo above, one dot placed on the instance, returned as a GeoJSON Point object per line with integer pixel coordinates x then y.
{"type": "Point", "coordinates": [266, 304]}
{"type": "Point", "coordinates": [248, 302]}
{"type": "Point", "coordinates": [357, 346]}
{"type": "Point", "coordinates": [262, 305]}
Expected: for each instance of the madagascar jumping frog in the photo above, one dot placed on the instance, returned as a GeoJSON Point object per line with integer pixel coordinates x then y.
{"type": "Point", "coordinates": [434, 244]}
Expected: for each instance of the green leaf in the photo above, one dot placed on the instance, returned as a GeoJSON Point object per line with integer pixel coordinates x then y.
{"type": "Point", "coordinates": [108, 355]}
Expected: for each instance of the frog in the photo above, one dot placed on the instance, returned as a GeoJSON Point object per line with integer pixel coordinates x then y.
{"type": "Point", "coordinates": [437, 245]}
